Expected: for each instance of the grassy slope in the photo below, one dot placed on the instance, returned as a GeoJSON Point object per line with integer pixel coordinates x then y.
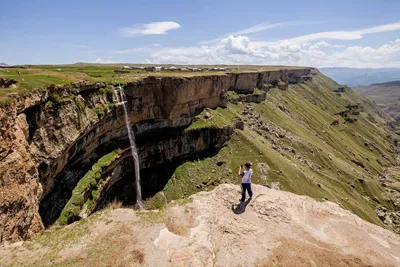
{"type": "Point", "coordinates": [39, 78]}
{"type": "Point", "coordinates": [386, 95]}
{"type": "Point", "coordinates": [309, 111]}
{"type": "Point", "coordinates": [86, 191]}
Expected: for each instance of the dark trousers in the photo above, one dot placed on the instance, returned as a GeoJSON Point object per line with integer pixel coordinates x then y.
{"type": "Point", "coordinates": [248, 188]}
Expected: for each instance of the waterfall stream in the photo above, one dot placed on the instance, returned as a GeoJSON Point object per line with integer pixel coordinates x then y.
{"type": "Point", "coordinates": [132, 143]}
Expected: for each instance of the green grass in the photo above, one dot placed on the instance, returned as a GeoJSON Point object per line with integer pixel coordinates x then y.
{"type": "Point", "coordinates": [310, 109]}
{"type": "Point", "coordinates": [39, 77]}
{"type": "Point", "coordinates": [85, 193]}
{"type": "Point", "coordinates": [219, 118]}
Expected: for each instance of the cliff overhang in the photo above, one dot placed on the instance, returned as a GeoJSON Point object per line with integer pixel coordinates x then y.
{"type": "Point", "coordinates": [51, 138]}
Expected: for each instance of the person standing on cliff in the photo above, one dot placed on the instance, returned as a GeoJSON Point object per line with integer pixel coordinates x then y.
{"type": "Point", "coordinates": [246, 173]}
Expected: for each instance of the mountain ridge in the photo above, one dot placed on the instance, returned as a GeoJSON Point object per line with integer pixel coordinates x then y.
{"type": "Point", "coordinates": [361, 76]}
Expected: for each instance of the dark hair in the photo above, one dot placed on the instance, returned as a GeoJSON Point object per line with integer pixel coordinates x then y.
{"type": "Point", "coordinates": [248, 165]}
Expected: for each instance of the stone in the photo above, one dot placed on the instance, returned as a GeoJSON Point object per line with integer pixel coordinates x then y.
{"type": "Point", "coordinates": [275, 185]}
{"type": "Point", "coordinates": [239, 125]}
{"type": "Point", "coordinates": [6, 82]}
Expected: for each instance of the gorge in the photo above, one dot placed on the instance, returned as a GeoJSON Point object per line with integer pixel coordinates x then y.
{"type": "Point", "coordinates": [65, 151]}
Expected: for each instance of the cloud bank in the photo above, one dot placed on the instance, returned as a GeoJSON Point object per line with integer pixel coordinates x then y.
{"type": "Point", "coordinates": [308, 50]}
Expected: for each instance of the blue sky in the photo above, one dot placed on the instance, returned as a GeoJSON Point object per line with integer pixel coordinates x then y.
{"type": "Point", "coordinates": [312, 33]}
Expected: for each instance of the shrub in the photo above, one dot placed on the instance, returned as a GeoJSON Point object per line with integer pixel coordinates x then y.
{"type": "Point", "coordinates": [100, 111]}
{"type": "Point", "coordinates": [107, 90]}
{"type": "Point", "coordinates": [55, 98]}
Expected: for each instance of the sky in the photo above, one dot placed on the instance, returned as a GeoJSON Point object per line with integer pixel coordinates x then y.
{"type": "Point", "coordinates": [361, 34]}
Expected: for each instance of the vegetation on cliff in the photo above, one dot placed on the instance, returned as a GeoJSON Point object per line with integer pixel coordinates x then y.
{"type": "Point", "coordinates": [304, 133]}
{"type": "Point", "coordinates": [85, 193]}
{"type": "Point", "coordinates": [294, 144]}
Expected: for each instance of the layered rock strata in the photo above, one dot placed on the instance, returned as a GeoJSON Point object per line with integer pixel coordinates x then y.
{"type": "Point", "coordinates": [53, 136]}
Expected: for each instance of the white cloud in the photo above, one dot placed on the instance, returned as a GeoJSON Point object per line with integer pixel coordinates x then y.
{"type": "Point", "coordinates": [150, 28]}
{"type": "Point", "coordinates": [262, 27]}
{"type": "Point", "coordinates": [322, 44]}
{"type": "Point", "coordinates": [106, 61]}
{"type": "Point", "coordinates": [241, 50]}
{"type": "Point", "coordinates": [155, 45]}
{"type": "Point", "coordinates": [253, 29]}
{"type": "Point", "coordinates": [307, 50]}
{"type": "Point", "coordinates": [346, 35]}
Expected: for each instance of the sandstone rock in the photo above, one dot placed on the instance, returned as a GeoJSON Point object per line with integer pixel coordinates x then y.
{"type": "Point", "coordinates": [275, 185]}
{"type": "Point", "coordinates": [213, 230]}
{"type": "Point", "coordinates": [69, 132]}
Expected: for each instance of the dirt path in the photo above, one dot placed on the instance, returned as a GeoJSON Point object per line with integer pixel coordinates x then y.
{"type": "Point", "coordinates": [275, 228]}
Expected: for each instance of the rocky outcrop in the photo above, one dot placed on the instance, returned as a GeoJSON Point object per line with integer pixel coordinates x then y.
{"type": "Point", "coordinates": [20, 190]}
{"type": "Point", "coordinates": [351, 109]}
{"type": "Point", "coordinates": [248, 81]}
{"type": "Point", "coordinates": [54, 136]}
{"type": "Point", "coordinates": [168, 147]}
{"type": "Point", "coordinates": [275, 228]}
{"type": "Point", "coordinates": [6, 82]}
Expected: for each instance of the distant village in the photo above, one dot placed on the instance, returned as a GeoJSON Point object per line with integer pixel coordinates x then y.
{"type": "Point", "coordinates": [184, 69]}
{"type": "Point", "coordinates": [147, 68]}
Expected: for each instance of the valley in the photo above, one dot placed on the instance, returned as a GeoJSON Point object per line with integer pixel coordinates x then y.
{"type": "Point", "coordinates": [65, 157]}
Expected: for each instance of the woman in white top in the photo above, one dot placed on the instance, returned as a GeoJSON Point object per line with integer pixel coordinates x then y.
{"type": "Point", "coordinates": [246, 174]}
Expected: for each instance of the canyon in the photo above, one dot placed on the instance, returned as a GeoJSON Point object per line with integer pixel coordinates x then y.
{"type": "Point", "coordinates": [51, 139]}
{"type": "Point", "coordinates": [386, 95]}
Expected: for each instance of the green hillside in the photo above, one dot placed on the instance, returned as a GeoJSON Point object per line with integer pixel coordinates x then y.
{"type": "Point", "coordinates": [295, 138]}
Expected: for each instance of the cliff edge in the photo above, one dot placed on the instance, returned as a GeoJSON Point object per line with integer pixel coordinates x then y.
{"type": "Point", "coordinates": [212, 229]}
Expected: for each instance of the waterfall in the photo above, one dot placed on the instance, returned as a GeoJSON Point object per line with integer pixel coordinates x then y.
{"type": "Point", "coordinates": [132, 143]}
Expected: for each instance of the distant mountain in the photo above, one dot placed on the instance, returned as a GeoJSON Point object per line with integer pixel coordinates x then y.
{"type": "Point", "coordinates": [386, 95]}
{"type": "Point", "coordinates": [356, 77]}
{"type": "Point", "coordinates": [3, 65]}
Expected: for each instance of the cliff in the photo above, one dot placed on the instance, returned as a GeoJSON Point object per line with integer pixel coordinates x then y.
{"type": "Point", "coordinates": [275, 228]}
{"type": "Point", "coordinates": [51, 138]}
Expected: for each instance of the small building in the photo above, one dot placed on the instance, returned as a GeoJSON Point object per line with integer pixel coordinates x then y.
{"type": "Point", "coordinates": [125, 68]}
{"type": "Point", "coordinates": [159, 68]}
{"type": "Point", "coordinates": [150, 68]}
{"type": "Point", "coordinates": [173, 68]}
{"type": "Point", "coordinates": [184, 69]}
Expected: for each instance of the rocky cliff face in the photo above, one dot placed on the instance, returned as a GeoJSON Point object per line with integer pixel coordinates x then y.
{"type": "Point", "coordinates": [50, 139]}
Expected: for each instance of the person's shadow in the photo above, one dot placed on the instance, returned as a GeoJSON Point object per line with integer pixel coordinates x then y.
{"type": "Point", "coordinates": [241, 207]}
